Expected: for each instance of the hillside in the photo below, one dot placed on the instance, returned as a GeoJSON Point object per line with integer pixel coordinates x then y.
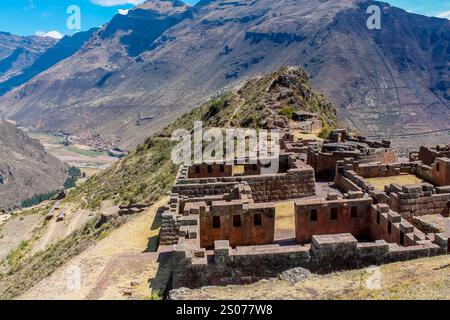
{"type": "Point", "coordinates": [26, 169]}
{"type": "Point", "coordinates": [148, 172]}
{"type": "Point", "coordinates": [143, 177]}
{"type": "Point", "coordinates": [142, 70]}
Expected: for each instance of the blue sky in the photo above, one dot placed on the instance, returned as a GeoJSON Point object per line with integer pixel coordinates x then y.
{"type": "Point", "coordinates": [28, 17]}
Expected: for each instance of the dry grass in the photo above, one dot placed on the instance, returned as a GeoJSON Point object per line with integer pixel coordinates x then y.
{"type": "Point", "coordinates": [238, 170]}
{"type": "Point", "coordinates": [427, 278]}
{"type": "Point", "coordinates": [298, 135]}
{"type": "Point", "coordinates": [108, 267]}
{"type": "Point", "coordinates": [403, 180]}
{"type": "Point", "coordinates": [284, 216]}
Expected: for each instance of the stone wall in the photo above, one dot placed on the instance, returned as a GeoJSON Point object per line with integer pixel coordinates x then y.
{"type": "Point", "coordinates": [320, 216]}
{"type": "Point", "coordinates": [418, 200]}
{"type": "Point", "coordinates": [440, 172]}
{"type": "Point", "coordinates": [327, 253]}
{"type": "Point", "coordinates": [409, 200]}
{"type": "Point", "coordinates": [295, 183]}
{"type": "Point", "coordinates": [345, 184]}
{"type": "Point", "coordinates": [324, 163]}
{"type": "Point", "coordinates": [242, 224]}
{"type": "Point", "coordinates": [210, 170]}
{"type": "Point", "coordinates": [428, 155]}
{"type": "Point", "coordinates": [388, 225]}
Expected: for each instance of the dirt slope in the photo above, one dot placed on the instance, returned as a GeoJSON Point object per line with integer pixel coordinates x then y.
{"type": "Point", "coordinates": [26, 168]}
{"type": "Point", "coordinates": [108, 269]}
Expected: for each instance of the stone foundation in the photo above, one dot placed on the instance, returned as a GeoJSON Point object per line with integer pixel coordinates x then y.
{"type": "Point", "coordinates": [327, 253]}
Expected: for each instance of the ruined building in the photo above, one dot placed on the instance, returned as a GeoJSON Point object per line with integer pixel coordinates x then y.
{"type": "Point", "coordinates": [226, 225]}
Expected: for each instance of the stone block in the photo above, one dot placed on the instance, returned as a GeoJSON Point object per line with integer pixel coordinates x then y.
{"type": "Point", "coordinates": [332, 196]}
{"type": "Point", "coordinates": [222, 248]}
{"type": "Point", "coordinates": [406, 227]}
{"type": "Point", "coordinates": [382, 208]}
{"type": "Point", "coordinates": [412, 188]}
{"type": "Point", "coordinates": [394, 217]}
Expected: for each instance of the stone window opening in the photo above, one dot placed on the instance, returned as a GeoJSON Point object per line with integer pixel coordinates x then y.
{"type": "Point", "coordinates": [222, 168]}
{"type": "Point", "coordinates": [210, 169]}
{"type": "Point", "coordinates": [378, 217]}
{"type": "Point", "coordinates": [334, 214]}
{"type": "Point", "coordinates": [314, 215]}
{"type": "Point", "coordinates": [437, 166]}
{"type": "Point", "coordinates": [237, 221]}
{"type": "Point", "coordinates": [197, 169]}
{"type": "Point", "coordinates": [257, 219]}
{"type": "Point", "coordinates": [354, 212]}
{"type": "Point", "coordinates": [216, 222]}
{"type": "Point", "coordinates": [389, 227]}
{"type": "Point", "coordinates": [402, 238]}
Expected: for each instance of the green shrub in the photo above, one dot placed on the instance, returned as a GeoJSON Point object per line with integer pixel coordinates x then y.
{"type": "Point", "coordinates": [15, 256]}
{"type": "Point", "coordinates": [287, 111]}
{"type": "Point", "coordinates": [215, 107]}
{"type": "Point", "coordinates": [325, 132]}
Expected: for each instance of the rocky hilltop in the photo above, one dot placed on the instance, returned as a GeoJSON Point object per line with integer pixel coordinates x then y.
{"type": "Point", "coordinates": [26, 169]}
{"type": "Point", "coordinates": [144, 69]}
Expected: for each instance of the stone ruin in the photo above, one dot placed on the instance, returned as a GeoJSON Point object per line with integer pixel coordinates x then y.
{"type": "Point", "coordinates": [221, 221]}
{"type": "Point", "coordinates": [429, 154]}
{"type": "Point", "coordinates": [342, 145]}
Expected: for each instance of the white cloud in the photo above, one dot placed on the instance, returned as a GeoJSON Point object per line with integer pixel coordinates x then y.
{"type": "Point", "coordinates": [109, 3]}
{"type": "Point", "coordinates": [123, 12]}
{"type": "Point", "coordinates": [445, 14]}
{"type": "Point", "coordinates": [52, 34]}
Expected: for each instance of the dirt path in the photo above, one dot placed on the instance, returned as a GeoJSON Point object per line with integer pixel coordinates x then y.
{"type": "Point", "coordinates": [116, 267]}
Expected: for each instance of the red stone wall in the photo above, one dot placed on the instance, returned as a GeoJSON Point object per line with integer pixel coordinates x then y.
{"type": "Point", "coordinates": [419, 203]}
{"type": "Point", "coordinates": [429, 155]}
{"type": "Point", "coordinates": [209, 171]}
{"type": "Point", "coordinates": [440, 172]}
{"type": "Point", "coordinates": [324, 164]}
{"type": "Point", "coordinates": [247, 234]}
{"type": "Point", "coordinates": [359, 226]}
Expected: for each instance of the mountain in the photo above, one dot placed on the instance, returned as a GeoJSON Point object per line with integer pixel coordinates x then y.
{"type": "Point", "coordinates": [18, 53]}
{"type": "Point", "coordinates": [26, 169]}
{"type": "Point", "coordinates": [140, 71]}
{"type": "Point", "coordinates": [60, 50]}
{"type": "Point", "coordinates": [148, 172]}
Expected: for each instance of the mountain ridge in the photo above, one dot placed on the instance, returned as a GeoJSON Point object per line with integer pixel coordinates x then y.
{"type": "Point", "coordinates": [388, 81]}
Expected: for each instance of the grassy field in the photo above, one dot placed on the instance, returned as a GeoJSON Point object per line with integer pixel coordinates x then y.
{"type": "Point", "coordinates": [427, 278]}
{"type": "Point", "coordinates": [285, 216]}
{"type": "Point", "coordinates": [75, 155]}
{"type": "Point", "coordinates": [403, 179]}
{"type": "Point", "coordinates": [84, 152]}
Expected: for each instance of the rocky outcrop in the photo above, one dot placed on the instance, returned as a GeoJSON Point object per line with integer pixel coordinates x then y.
{"type": "Point", "coordinates": [26, 169]}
